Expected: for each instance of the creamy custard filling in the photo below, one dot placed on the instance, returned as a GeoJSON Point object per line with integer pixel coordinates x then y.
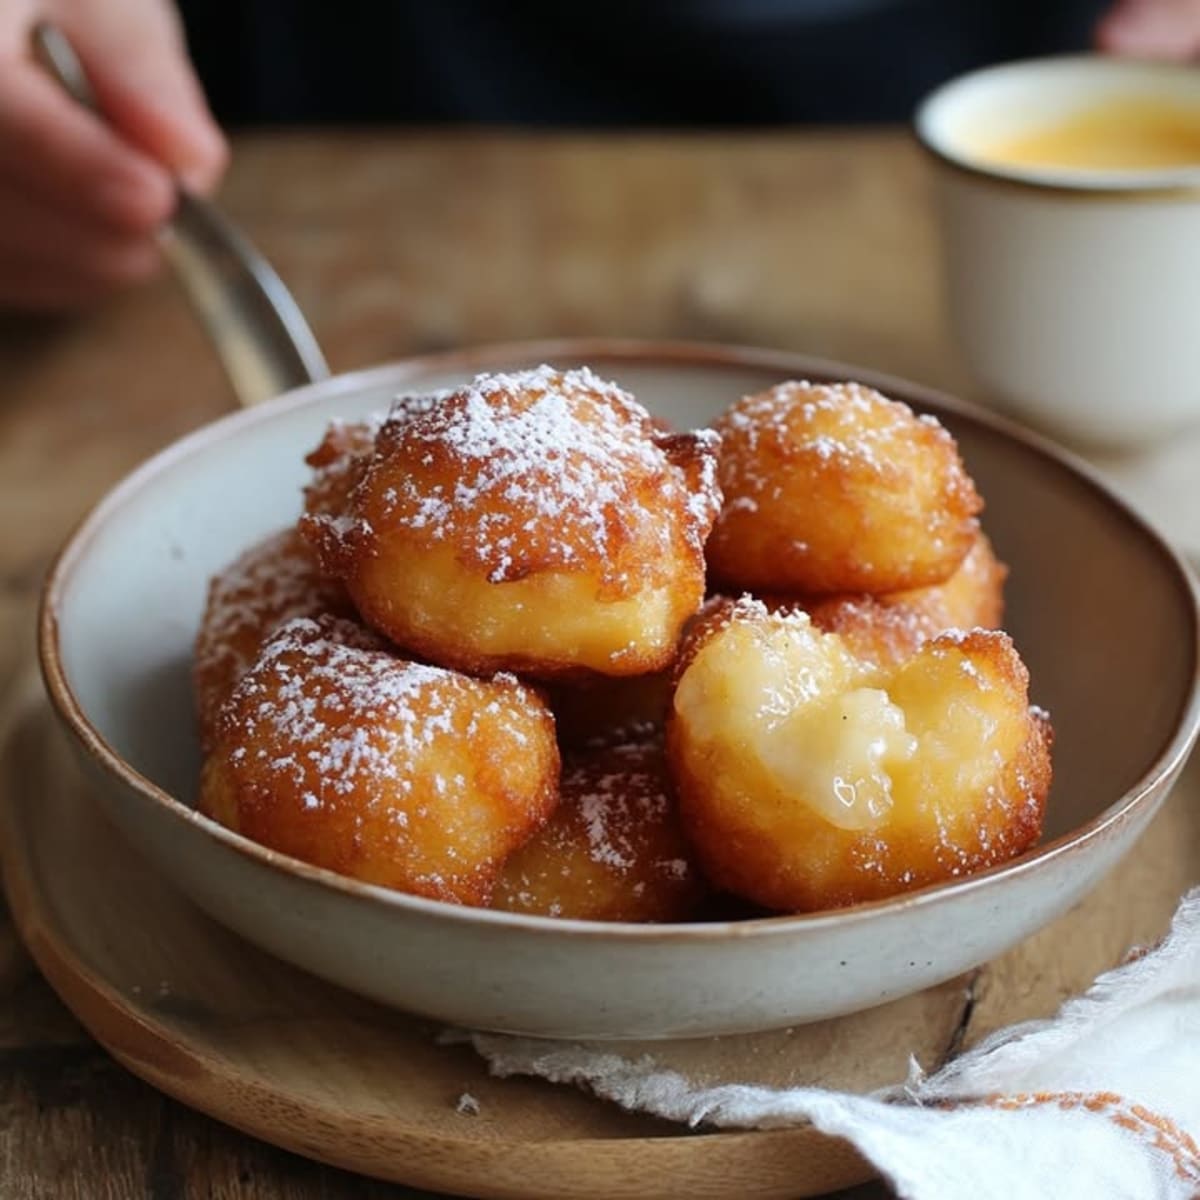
{"type": "Point", "coordinates": [838, 757]}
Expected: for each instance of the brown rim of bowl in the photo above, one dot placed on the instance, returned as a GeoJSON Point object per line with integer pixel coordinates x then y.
{"type": "Point", "coordinates": [608, 351]}
{"type": "Point", "coordinates": [1122, 191]}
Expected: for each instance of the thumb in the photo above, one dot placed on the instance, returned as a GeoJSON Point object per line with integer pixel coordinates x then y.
{"type": "Point", "coordinates": [1163, 29]}
{"type": "Point", "coordinates": [137, 63]}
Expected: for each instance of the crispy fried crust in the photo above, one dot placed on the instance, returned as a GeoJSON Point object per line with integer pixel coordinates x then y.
{"type": "Point", "coordinates": [335, 751]}
{"type": "Point", "coordinates": [613, 850]}
{"type": "Point", "coordinates": [339, 463]}
{"type": "Point", "coordinates": [809, 779]}
{"type": "Point", "coordinates": [833, 488]}
{"type": "Point", "coordinates": [271, 583]}
{"type": "Point", "coordinates": [537, 522]}
{"type": "Point", "coordinates": [886, 630]}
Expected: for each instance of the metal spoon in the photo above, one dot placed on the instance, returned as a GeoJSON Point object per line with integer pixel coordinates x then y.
{"type": "Point", "coordinates": [255, 324]}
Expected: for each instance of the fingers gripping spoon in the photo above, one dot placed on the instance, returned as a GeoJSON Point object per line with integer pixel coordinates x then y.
{"type": "Point", "coordinates": [259, 333]}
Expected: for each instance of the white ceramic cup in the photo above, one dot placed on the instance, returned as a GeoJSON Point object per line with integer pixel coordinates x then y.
{"type": "Point", "coordinates": [1074, 294]}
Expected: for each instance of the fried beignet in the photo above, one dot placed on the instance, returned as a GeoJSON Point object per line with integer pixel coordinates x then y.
{"type": "Point", "coordinates": [537, 522]}
{"type": "Point", "coordinates": [887, 630]}
{"type": "Point", "coordinates": [335, 751]}
{"type": "Point", "coordinates": [344, 453]}
{"type": "Point", "coordinates": [263, 588]}
{"type": "Point", "coordinates": [338, 464]}
{"type": "Point", "coordinates": [835, 488]}
{"type": "Point", "coordinates": [808, 779]}
{"type": "Point", "coordinates": [613, 850]}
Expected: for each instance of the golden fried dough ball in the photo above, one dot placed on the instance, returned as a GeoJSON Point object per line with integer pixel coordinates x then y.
{"type": "Point", "coordinates": [809, 779]}
{"type": "Point", "coordinates": [338, 463]}
{"type": "Point", "coordinates": [835, 488]}
{"type": "Point", "coordinates": [972, 598]}
{"type": "Point", "coordinates": [269, 584]}
{"type": "Point", "coordinates": [335, 751]}
{"type": "Point", "coordinates": [613, 850]}
{"type": "Point", "coordinates": [344, 453]}
{"type": "Point", "coordinates": [886, 630]}
{"type": "Point", "coordinates": [536, 522]}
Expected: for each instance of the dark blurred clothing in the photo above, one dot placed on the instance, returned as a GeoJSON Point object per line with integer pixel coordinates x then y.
{"type": "Point", "coordinates": [589, 63]}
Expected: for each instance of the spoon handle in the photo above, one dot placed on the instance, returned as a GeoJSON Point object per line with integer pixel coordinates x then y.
{"type": "Point", "coordinates": [255, 324]}
{"type": "Point", "coordinates": [253, 320]}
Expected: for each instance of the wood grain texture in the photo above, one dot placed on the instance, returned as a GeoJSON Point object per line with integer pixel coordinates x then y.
{"type": "Point", "coordinates": [207, 1018]}
{"type": "Point", "coordinates": [813, 241]}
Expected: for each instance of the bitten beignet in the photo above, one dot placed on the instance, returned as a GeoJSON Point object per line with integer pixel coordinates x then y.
{"type": "Point", "coordinates": [808, 778]}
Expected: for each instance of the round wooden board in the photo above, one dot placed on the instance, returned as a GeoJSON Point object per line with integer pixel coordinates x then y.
{"type": "Point", "coordinates": [214, 1022]}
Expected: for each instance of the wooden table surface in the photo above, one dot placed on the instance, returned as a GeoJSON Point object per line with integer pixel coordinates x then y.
{"type": "Point", "coordinates": [396, 243]}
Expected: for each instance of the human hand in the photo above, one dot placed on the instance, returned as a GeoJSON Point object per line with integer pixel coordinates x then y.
{"type": "Point", "coordinates": [80, 197]}
{"type": "Point", "coordinates": [1165, 29]}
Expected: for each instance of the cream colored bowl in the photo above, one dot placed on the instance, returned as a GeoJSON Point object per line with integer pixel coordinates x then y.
{"type": "Point", "coordinates": [1104, 613]}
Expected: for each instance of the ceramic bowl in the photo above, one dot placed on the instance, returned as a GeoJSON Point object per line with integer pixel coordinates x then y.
{"type": "Point", "coordinates": [1104, 613]}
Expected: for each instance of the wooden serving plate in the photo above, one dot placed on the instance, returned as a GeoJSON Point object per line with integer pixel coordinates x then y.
{"type": "Point", "coordinates": [223, 1027]}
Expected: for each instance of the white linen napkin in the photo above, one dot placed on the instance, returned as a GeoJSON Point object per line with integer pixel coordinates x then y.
{"type": "Point", "coordinates": [1101, 1103]}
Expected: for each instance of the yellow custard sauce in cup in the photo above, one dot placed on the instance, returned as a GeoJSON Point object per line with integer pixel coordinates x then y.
{"type": "Point", "coordinates": [1132, 132]}
{"type": "Point", "coordinates": [1068, 200]}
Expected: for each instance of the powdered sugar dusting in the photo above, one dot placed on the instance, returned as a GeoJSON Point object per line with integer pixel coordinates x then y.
{"type": "Point", "coordinates": [618, 792]}
{"type": "Point", "coordinates": [268, 585]}
{"type": "Point", "coordinates": [329, 710]}
{"type": "Point", "coordinates": [338, 464]}
{"type": "Point", "coordinates": [276, 579]}
{"type": "Point", "coordinates": [341, 459]}
{"type": "Point", "coordinates": [847, 423]}
{"type": "Point", "coordinates": [614, 848]}
{"type": "Point", "coordinates": [546, 467]}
